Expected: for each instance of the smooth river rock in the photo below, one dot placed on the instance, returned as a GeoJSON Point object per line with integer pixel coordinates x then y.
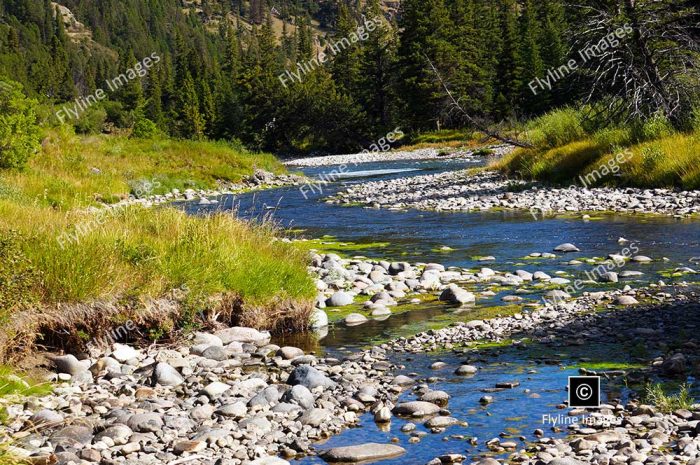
{"type": "Point", "coordinates": [364, 453]}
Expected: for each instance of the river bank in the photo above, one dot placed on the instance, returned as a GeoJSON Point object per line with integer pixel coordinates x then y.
{"type": "Point", "coordinates": [399, 155]}
{"type": "Point", "coordinates": [81, 252]}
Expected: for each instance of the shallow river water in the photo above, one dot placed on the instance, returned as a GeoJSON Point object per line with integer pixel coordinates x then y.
{"type": "Point", "coordinates": [418, 236]}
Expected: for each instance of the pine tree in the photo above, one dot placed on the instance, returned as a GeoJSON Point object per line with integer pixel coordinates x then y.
{"type": "Point", "coordinates": [345, 67]}
{"type": "Point", "coordinates": [531, 63]}
{"type": "Point", "coordinates": [376, 83]}
{"type": "Point", "coordinates": [192, 124]}
{"type": "Point", "coordinates": [426, 31]}
{"type": "Point", "coordinates": [469, 83]}
{"type": "Point", "coordinates": [508, 83]}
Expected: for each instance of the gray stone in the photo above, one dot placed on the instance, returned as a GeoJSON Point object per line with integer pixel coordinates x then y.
{"type": "Point", "coordinates": [69, 364]}
{"type": "Point", "coordinates": [165, 375]}
{"type": "Point", "coordinates": [456, 295]}
{"type": "Point", "coordinates": [145, 422]}
{"type": "Point", "coordinates": [466, 370]}
{"type": "Point", "coordinates": [416, 408]}
{"type": "Point", "coordinates": [300, 395]}
{"type": "Point", "coordinates": [364, 453]}
{"type": "Point", "coordinates": [340, 299]}
{"type": "Point", "coordinates": [288, 353]}
{"type": "Point", "coordinates": [566, 247]}
{"type": "Point", "coordinates": [243, 335]}
{"type": "Point", "coordinates": [71, 435]}
{"type": "Point", "coordinates": [309, 377]}
{"type": "Point", "coordinates": [216, 353]}
{"type": "Point", "coordinates": [315, 417]}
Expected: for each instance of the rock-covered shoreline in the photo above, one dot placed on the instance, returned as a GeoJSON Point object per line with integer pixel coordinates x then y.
{"type": "Point", "coordinates": [260, 179]}
{"type": "Point", "coordinates": [488, 190]}
{"type": "Point", "coordinates": [370, 157]}
{"type": "Point", "coordinates": [231, 397]}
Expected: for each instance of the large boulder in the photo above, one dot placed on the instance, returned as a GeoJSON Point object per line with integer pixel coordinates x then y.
{"type": "Point", "coordinates": [299, 395]}
{"type": "Point", "coordinates": [165, 375]}
{"type": "Point", "coordinates": [416, 408]}
{"type": "Point", "coordinates": [456, 295]}
{"type": "Point", "coordinates": [243, 335]}
{"type": "Point", "coordinates": [69, 364]}
{"type": "Point", "coordinates": [309, 377]}
{"type": "Point", "coordinates": [567, 247]}
{"type": "Point", "coordinates": [340, 299]}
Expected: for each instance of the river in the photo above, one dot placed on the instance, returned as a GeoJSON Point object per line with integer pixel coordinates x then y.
{"type": "Point", "coordinates": [459, 239]}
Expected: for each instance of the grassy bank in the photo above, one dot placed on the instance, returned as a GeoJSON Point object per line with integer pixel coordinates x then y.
{"type": "Point", "coordinates": [565, 150]}
{"type": "Point", "coordinates": [158, 267]}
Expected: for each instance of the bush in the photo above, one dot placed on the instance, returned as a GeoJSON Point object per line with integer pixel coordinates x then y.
{"type": "Point", "coordinates": [655, 127]}
{"type": "Point", "coordinates": [117, 115]}
{"type": "Point", "coordinates": [613, 137]}
{"type": "Point", "coordinates": [666, 403]}
{"type": "Point", "coordinates": [144, 128]}
{"type": "Point", "coordinates": [92, 121]}
{"type": "Point", "coordinates": [556, 128]}
{"type": "Point", "coordinates": [651, 156]}
{"type": "Point", "coordinates": [19, 132]}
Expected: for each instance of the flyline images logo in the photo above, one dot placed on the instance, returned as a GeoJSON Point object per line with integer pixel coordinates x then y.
{"type": "Point", "coordinates": [584, 391]}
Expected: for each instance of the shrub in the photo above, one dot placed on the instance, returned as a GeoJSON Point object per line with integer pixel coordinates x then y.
{"type": "Point", "coordinates": [651, 157]}
{"type": "Point", "coordinates": [19, 131]}
{"type": "Point", "coordinates": [144, 128]}
{"type": "Point", "coordinates": [92, 121]}
{"type": "Point", "coordinates": [667, 403]}
{"type": "Point", "coordinates": [556, 128]}
{"type": "Point", "coordinates": [655, 127]}
{"type": "Point", "coordinates": [117, 115]}
{"type": "Point", "coordinates": [613, 137]}
{"type": "Point", "coordinates": [695, 119]}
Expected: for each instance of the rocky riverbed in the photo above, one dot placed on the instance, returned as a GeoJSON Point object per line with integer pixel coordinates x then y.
{"type": "Point", "coordinates": [227, 397]}
{"type": "Point", "coordinates": [488, 190]}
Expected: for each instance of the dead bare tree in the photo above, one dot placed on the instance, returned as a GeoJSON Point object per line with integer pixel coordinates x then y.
{"type": "Point", "coordinates": [654, 66]}
{"type": "Point", "coordinates": [472, 120]}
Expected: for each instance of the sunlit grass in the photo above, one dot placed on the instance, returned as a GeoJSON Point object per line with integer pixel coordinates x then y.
{"type": "Point", "coordinates": [669, 161]}
{"type": "Point", "coordinates": [73, 172]}
{"type": "Point", "coordinates": [137, 254]}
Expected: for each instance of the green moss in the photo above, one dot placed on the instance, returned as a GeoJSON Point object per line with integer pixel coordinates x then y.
{"type": "Point", "coordinates": [605, 366]}
{"type": "Point", "coordinates": [329, 244]}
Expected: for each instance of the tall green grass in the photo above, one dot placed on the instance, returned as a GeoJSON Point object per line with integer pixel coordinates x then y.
{"type": "Point", "coordinates": [564, 151]}
{"type": "Point", "coordinates": [60, 253]}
